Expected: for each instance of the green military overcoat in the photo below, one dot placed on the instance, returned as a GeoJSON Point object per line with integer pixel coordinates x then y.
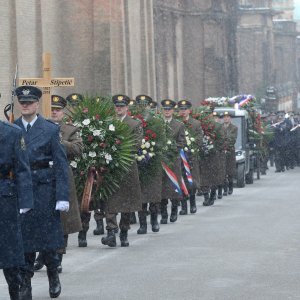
{"type": "Point", "coordinates": [128, 197]}
{"type": "Point", "coordinates": [73, 145]}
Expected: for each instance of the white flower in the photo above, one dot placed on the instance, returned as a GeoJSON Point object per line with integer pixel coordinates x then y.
{"type": "Point", "coordinates": [111, 127]}
{"type": "Point", "coordinates": [92, 154]}
{"type": "Point", "coordinates": [143, 146]}
{"type": "Point", "coordinates": [114, 148]}
{"type": "Point", "coordinates": [153, 143]}
{"type": "Point", "coordinates": [143, 141]}
{"type": "Point", "coordinates": [73, 164]}
{"type": "Point", "coordinates": [108, 158]}
{"type": "Point", "coordinates": [84, 155]}
{"type": "Point", "coordinates": [188, 142]}
{"type": "Point", "coordinates": [192, 150]}
{"type": "Point", "coordinates": [151, 154]}
{"type": "Point", "coordinates": [86, 122]}
{"type": "Point", "coordinates": [147, 145]}
{"type": "Point", "coordinates": [96, 132]}
{"type": "Point", "coordinates": [192, 139]}
{"type": "Point", "coordinates": [169, 142]}
{"type": "Point", "coordinates": [152, 149]}
{"type": "Point", "coordinates": [144, 151]}
{"type": "Point", "coordinates": [186, 149]}
{"type": "Point", "coordinates": [186, 132]}
{"type": "Point", "coordinates": [139, 158]}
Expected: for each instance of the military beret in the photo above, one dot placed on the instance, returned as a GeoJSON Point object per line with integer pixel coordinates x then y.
{"type": "Point", "coordinates": [58, 101]}
{"type": "Point", "coordinates": [120, 100]}
{"type": "Point", "coordinates": [168, 104]}
{"type": "Point", "coordinates": [28, 93]}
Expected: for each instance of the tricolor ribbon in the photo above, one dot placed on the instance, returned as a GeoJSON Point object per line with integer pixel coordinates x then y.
{"type": "Point", "coordinates": [245, 99]}
{"type": "Point", "coordinates": [186, 167]}
{"type": "Point", "coordinates": [183, 187]}
{"type": "Point", "coordinates": [172, 177]}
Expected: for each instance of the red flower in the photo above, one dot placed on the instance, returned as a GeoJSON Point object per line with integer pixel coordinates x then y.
{"type": "Point", "coordinates": [90, 138]}
{"type": "Point", "coordinates": [147, 138]}
{"type": "Point", "coordinates": [85, 110]}
{"type": "Point", "coordinates": [118, 142]}
{"type": "Point", "coordinates": [97, 117]}
{"type": "Point", "coordinates": [149, 131]}
{"type": "Point", "coordinates": [102, 145]}
{"type": "Point", "coordinates": [154, 135]}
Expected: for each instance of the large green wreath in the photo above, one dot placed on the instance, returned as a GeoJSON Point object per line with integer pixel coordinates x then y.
{"type": "Point", "coordinates": [107, 143]}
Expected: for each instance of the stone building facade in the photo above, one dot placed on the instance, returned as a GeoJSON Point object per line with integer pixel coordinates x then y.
{"type": "Point", "coordinates": [165, 48]}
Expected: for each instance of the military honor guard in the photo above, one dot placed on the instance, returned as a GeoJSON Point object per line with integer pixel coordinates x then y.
{"type": "Point", "coordinates": [41, 227]}
{"type": "Point", "coordinates": [175, 131]}
{"type": "Point", "coordinates": [151, 190]}
{"type": "Point", "coordinates": [15, 197]}
{"type": "Point", "coordinates": [230, 136]}
{"type": "Point", "coordinates": [194, 127]}
{"type": "Point", "coordinates": [71, 140]}
{"type": "Point", "coordinates": [127, 198]}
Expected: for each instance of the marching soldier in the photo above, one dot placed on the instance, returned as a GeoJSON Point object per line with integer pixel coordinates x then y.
{"type": "Point", "coordinates": [72, 142]}
{"type": "Point", "coordinates": [41, 227]}
{"type": "Point", "coordinates": [127, 198]}
{"type": "Point", "coordinates": [175, 130]}
{"type": "Point", "coordinates": [230, 136]}
{"type": "Point", "coordinates": [195, 127]}
{"type": "Point", "coordinates": [151, 190]}
{"type": "Point", "coordinates": [15, 193]}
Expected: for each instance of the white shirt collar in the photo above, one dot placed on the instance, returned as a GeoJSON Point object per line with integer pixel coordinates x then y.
{"type": "Point", "coordinates": [25, 123]}
{"type": "Point", "coordinates": [168, 120]}
{"type": "Point", "coordinates": [122, 118]}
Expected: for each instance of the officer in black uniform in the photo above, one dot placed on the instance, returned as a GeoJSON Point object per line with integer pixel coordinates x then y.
{"type": "Point", "coordinates": [15, 194]}
{"type": "Point", "coordinates": [41, 227]}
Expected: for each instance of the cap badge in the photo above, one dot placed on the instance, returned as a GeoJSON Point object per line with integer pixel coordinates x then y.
{"type": "Point", "coordinates": [120, 98]}
{"type": "Point", "coordinates": [143, 97]}
{"type": "Point", "coordinates": [55, 99]}
{"type": "Point", "coordinates": [26, 92]}
{"type": "Point", "coordinates": [74, 97]}
{"type": "Point", "coordinates": [168, 102]}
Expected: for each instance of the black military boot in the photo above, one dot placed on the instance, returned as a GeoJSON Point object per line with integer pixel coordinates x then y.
{"type": "Point", "coordinates": [225, 187]}
{"type": "Point", "coordinates": [164, 214]}
{"type": "Point", "coordinates": [143, 225]}
{"type": "Point", "coordinates": [25, 289]}
{"type": "Point", "coordinates": [230, 187]}
{"type": "Point", "coordinates": [133, 218]}
{"type": "Point", "coordinates": [82, 242]}
{"type": "Point", "coordinates": [154, 222]}
{"type": "Point", "coordinates": [174, 213]}
{"type": "Point", "coordinates": [193, 207]}
{"type": "Point", "coordinates": [220, 191]}
{"type": "Point", "coordinates": [123, 238]}
{"type": "Point", "coordinates": [206, 199]}
{"type": "Point", "coordinates": [39, 262]}
{"type": "Point", "coordinates": [100, 228]}
{"type": "Point", "coordinates": [110, 239]}
{"type": "Point", "coordinates": [59, 268]}
{"type": "Point", "coordinates": [54, 283]}
{"type": "Point", "coordinates": [183, 207]}
{"type": "Point", "coordinates": [212, 198]}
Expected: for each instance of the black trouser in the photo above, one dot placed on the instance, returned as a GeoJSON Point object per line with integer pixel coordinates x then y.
{"type": "Point", "coordinates": [12, 276]}
{"type": "Point", "coordinates": [153, 208]}
{"type": "Point", "coordinates": [279, 158]}
{"type": "Point", "coordinates": [50, 257]}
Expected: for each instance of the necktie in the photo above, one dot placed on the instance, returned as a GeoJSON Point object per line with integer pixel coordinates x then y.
{"type": "Point", "coordinates": [28, 127]}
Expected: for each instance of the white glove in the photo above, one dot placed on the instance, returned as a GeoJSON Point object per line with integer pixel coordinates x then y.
{"type": "Point", "coordinates": [24, 210]}
{"type": "Point", "coordinates": [62, 205]}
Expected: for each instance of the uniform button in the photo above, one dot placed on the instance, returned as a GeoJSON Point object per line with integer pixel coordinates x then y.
{"type": "Point", "coordinates": [34, 172]}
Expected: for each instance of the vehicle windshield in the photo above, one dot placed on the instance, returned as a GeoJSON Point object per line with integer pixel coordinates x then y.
{"type": "Point", "coordinates": [237, 121]}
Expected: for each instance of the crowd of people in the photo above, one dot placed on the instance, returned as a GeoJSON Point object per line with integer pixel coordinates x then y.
{"type": "Point", "coordinates": [38, 175]}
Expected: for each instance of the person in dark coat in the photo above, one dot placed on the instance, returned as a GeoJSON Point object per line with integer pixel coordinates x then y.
{"type": "Point", "coordinates": [174, 130]}
{"type": "Point", "coordinates": [193, 126]}
{"type": "Point", "coordinates": [41, 227]}
{"type": "Point", "coordinates": [230, 135]}
{"type": "Point", "coordinates": [15, 194]}
{"type": "Point", "coordinates": [72, 142]}
{"type": "Point", "coordinates": [127, 198]}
